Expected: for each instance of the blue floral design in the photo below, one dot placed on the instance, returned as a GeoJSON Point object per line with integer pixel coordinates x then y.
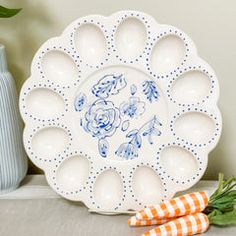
{"type": "Point", "coordinates": [103, 147]}
{"type": "Point", "coordinates": [133, 108]}
{"type": "Point", "coordinates": [129, 150]}
{"type": "Point", "coordinates": [101, 121]}
{"type": "Point", "coordinates": [133, 89]}
{"type": "Point", "coordinates": [109, 85]}
{"type": "Point", "coordinates": [125, 125]}
{"type": "Point", "coordinates": [80, 102]}
{"type": "Point", "coordinates": [102, 118]}
{"type": "Point", "coordinates": [150, 129]}
{"type": "Point", "coordinates": [150, 90]}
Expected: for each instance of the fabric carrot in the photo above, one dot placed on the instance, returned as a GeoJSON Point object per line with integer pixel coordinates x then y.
{"type": "Point", "coordinates": [183, 205]}
{"type": "Point", "coordinates": [183, 226]}
{"type": "Point", "coordinates": [133, 221]}
{"type": "Point", "coordinates": [223, 198]}
{"type": "Point", "coordinates": [193, 224]}
{"type": "Point", "coordinates": [191, 213]}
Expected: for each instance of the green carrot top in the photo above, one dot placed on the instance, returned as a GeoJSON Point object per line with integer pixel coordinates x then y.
{"type": "Point", "coordinates": [220, 209]}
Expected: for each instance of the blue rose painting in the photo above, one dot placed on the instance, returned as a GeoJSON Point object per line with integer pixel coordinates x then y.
{"type": "Point", "coordinates": [101, 121]}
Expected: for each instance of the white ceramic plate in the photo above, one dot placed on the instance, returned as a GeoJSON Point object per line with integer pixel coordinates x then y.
{"type": "Point", "coordinates": [120, 111]}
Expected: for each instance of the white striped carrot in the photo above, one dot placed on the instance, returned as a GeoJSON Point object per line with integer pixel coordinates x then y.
{"type": "Point", "coordinates": [183, 226]}
{"type": "Point", "coordinates": [133, 221]}
{"type": "Point", "coordinates": [176, 207]}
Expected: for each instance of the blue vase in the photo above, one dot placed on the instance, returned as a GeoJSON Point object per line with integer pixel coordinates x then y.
{"type": "Point", "coordinates": [13, 160]}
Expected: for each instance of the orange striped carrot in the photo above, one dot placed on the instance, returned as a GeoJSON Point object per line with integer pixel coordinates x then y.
{"type": "Point", "coordinates": [183, 215]}
{"type": "Point", "coordinates": [176, 207]}
{"type": "Point", "coordinates": [133, 221]}
{"type": "Point", "coordinates": [183, 226]}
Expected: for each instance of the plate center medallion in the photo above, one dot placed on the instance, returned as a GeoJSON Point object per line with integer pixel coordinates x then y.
{"type": "Point", "coordinates": [120, 110]}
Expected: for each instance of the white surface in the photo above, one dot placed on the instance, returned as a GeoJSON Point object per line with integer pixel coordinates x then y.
{"type": "Point", "coordinates": [59, 67]}
{"type": "Point", "coordinates": [130, 38]}
{"type": "Point", "coordinates": [32, 187]}
{"type": "Point", "coordinates": [179, 162]}
{"type": "Point", "coordinates": [49, 142]}
{"type": "Point", "coordinates": [167, 54]}
{"type": "Point", "coordinates": [108, 189]}
{"type": "Point", "coordinates": [195, 127]}
{"type": "Point", "coordinates": [44, 103]}
{"type": "Point", "coordinates": [73, 173]}
{"type": "Point", "coordinates": [191, 87]}
{"type": "Point", "coordinates": [34, 209]}
{"type": "Point", "coordinates": [154, 61]}
{"type": "Point", "coordinates": [91, 43]}
{"type": "Point", "coordinates": [145, 182]}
